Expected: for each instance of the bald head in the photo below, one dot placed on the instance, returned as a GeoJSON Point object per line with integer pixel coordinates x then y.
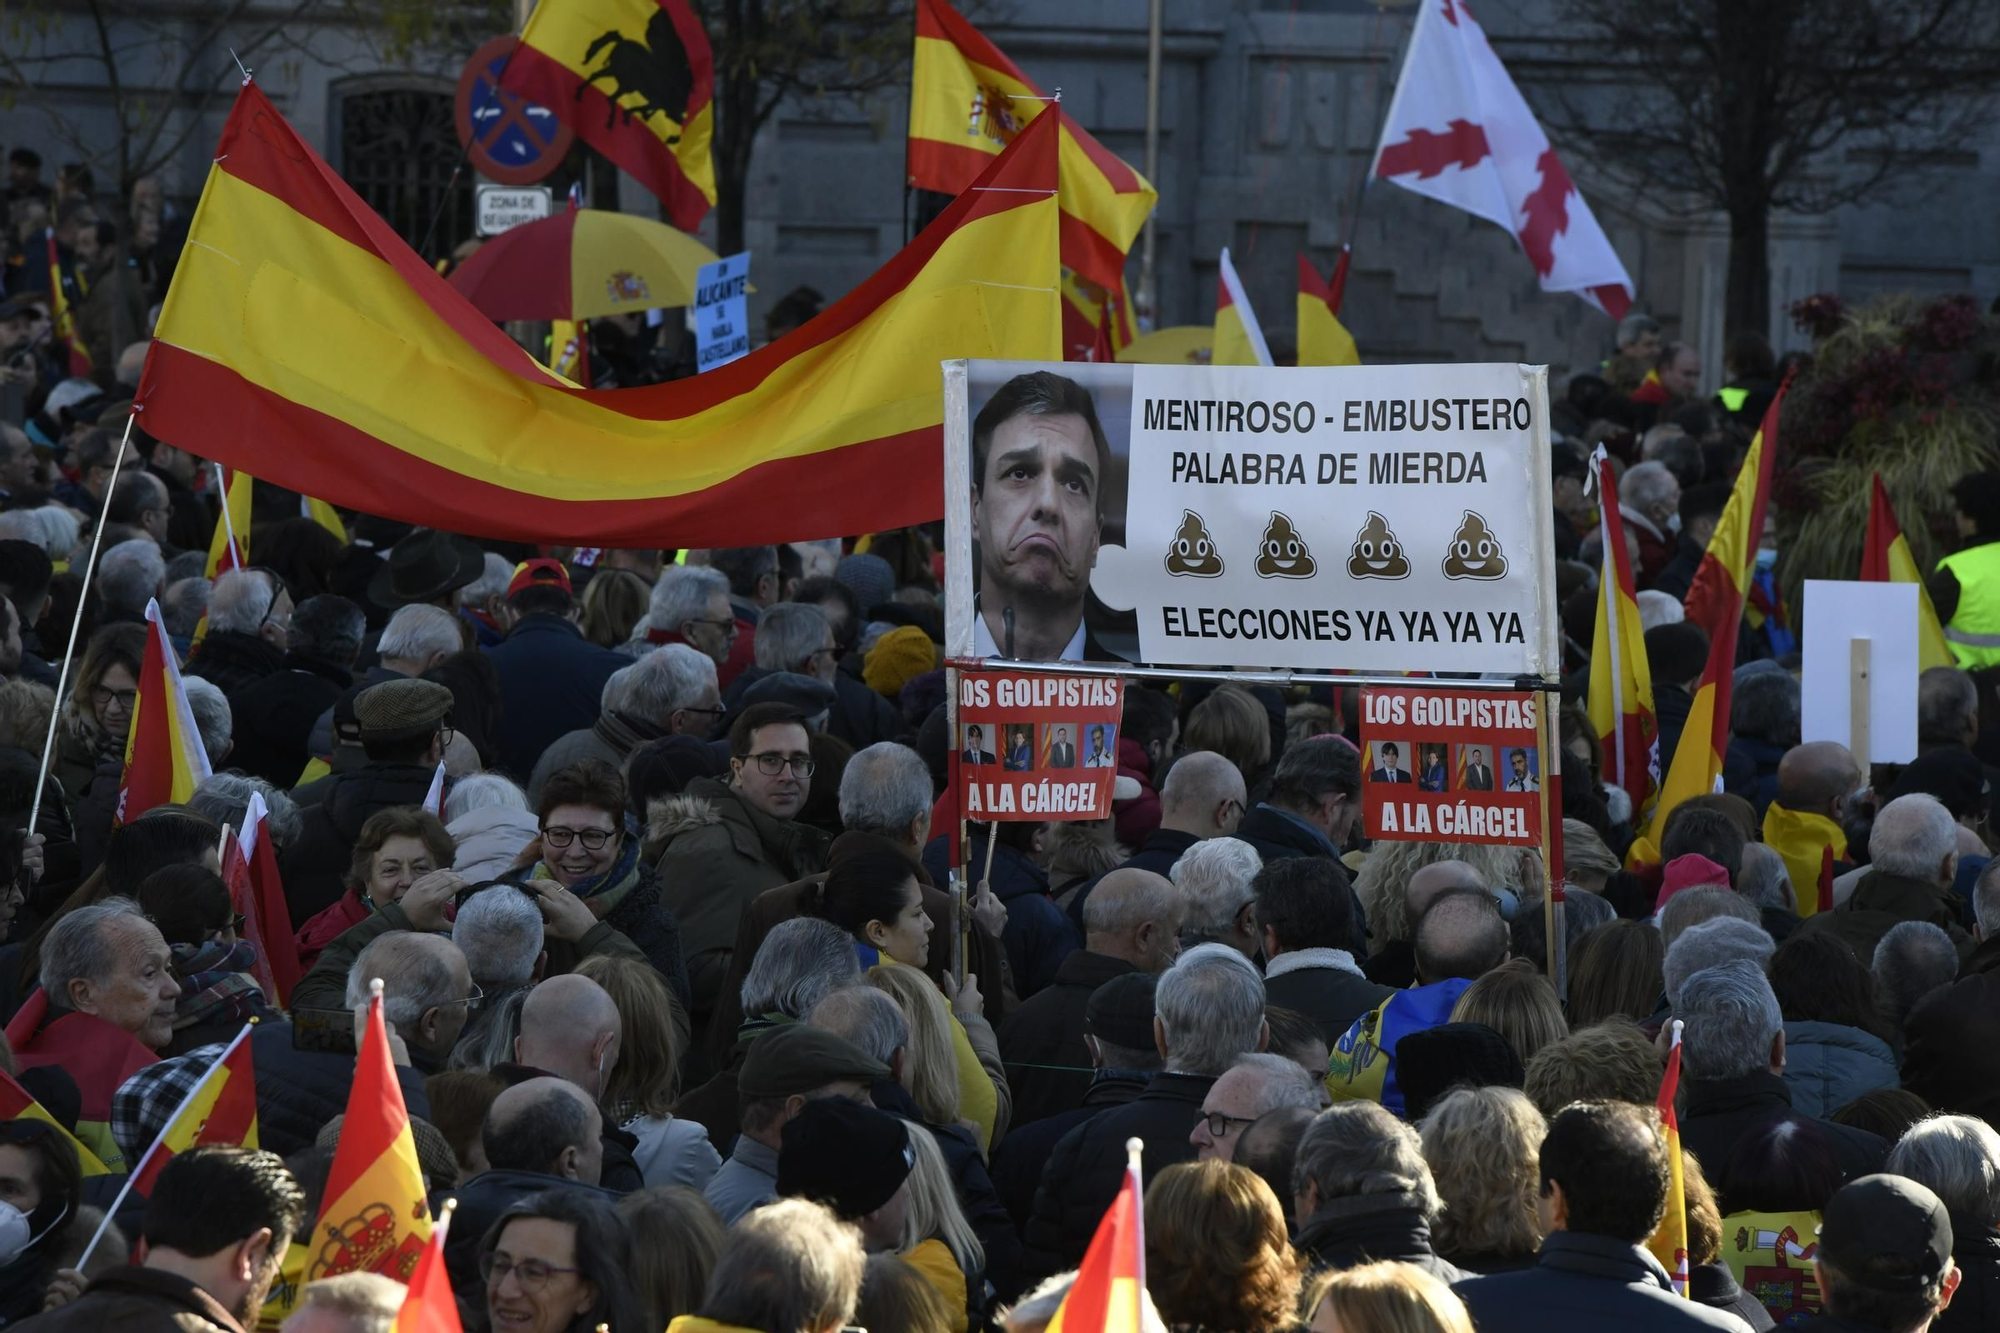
{"type": "Point", "coordinates": [548, 1126]}
{"type": "Point", "coordinates": [1817, 777]}
{"type": "Point", "coordinates": [569, 1027]}
{"type": "Point", "coordinates": [1203, 796]}
{"type": "Point", "coordinates": [131, 362]}
{"type": "Point", "coordinates": [1435, 880]}
{"type": "Point", "coordinates": [1462, 935]}
{"type": "Point", "coordinates": [1135, 915]}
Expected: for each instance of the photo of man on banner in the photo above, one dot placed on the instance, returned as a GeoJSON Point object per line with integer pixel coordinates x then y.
{"type": "Point", "coordinates": [1041, 474]}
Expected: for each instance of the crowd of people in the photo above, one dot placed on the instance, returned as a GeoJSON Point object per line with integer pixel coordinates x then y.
{"type": "Point", "coordinates": [668, 971]}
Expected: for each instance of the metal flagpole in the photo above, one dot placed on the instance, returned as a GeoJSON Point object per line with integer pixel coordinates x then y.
{"type": "Point", "coordinates": [1148, 289]}
{"type": "Point", "coordinates": [76, 622]}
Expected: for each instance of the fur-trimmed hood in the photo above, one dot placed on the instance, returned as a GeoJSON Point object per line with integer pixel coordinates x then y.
{"type": "Point", "coordinates": [667, 817]}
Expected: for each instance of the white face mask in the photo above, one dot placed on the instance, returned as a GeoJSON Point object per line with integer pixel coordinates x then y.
{"type": "Point", "coordinates": [15, 1234]}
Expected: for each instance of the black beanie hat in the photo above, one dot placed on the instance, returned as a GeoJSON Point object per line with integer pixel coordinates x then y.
{"type": "Point", "coordinates": [1433, 1061]}
{"type": "Point", "coordinates": [850, 1157]}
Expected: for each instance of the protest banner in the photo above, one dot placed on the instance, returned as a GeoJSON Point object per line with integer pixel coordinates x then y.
{"type": "Point", "coordinates": [1451, 766]}
{"type": "Point", "coordinates": [721, 312]}
{"type": "Point", "coordinates": [1859, 676]}
{"type": "Point", "coordinates": [1373, 519]}
{"type": "Point", "coordinates": [1029, 745]}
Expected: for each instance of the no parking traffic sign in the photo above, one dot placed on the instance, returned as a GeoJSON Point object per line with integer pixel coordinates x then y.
{"type": "Point", "coordinates": [506, 137]}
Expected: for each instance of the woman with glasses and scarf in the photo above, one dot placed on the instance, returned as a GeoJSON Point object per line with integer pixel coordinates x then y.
{"type": "Point", "coordinates": [585, 856]}
{"type": "Point", "coordinates": [190, 905]}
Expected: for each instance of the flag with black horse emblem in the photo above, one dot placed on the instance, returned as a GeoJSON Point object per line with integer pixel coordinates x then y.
{"type": "Point", "coordinates": [634, 78]}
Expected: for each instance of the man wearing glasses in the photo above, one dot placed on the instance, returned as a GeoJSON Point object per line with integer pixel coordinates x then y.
{"type": "Point", "coordinates": [671, 692]}
{"type": "Point", "coordinates": [797, 637]}
{"type": "Point", "coordinates": [1255, 1086]}
{"type": "Point", "coordinates": [729, 841]}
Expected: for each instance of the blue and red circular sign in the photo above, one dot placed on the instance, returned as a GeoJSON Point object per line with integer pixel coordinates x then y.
{"type": "Point", "coordinates": [508, 138]}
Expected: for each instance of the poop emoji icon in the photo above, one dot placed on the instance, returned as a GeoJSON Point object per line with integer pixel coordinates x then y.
{"type": "Point", "coordinates": [1283, 555]}
{"type": "Point", "coordinates": [1192, 554]}
{"type": "Point", "coordinates": [1376, 553]}
{"type": "Point", "coordinates": [1474, 552]}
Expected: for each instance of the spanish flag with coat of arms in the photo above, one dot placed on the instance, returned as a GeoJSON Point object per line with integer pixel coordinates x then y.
{"type": "Point", "coordinates": [303, 339]}
{"type": "Point", "coordinates": [374, 1217]}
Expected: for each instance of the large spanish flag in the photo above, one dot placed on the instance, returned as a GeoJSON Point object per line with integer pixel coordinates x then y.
{"type": "Point", "coordinates": [302, 340]}
{"type": "Point", "coordinates": [968, 102]}
{"type": "Point", "coordinates": [1670, 1240]}
{"type": "Point", "coordinates": [164, 758]}
{"type": "Point", "coordinates": [220, 1108]}
{"type": "Point", "coordinates": [373, 1217]}
{"type": "Point", "coordinates": [17, 1103]}
{"type": "Point", "coordinates": [1886, 558]}
{"type": "Point", "coordinates": [1621, 679]}
{"type": "Point", "coordinates": [636, 80]}
{"type": "Point", "coordinates": [1239, 338]}
{"type": "Point", "coordinates": [1715, 602]}
{"type": "Point", "coordinates": [1323, 339]}
{"type": "Point", "coordinates": [1109, 1294]}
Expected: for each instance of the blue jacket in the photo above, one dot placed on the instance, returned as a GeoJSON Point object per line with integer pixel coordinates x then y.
{"type": "Point", "coordinates": [551, 682]}
{"type": "Point", "coordinates": [1828, 1065]}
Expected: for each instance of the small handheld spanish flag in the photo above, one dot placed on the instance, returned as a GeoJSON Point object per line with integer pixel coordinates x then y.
{"type": "Point", "coordinates": [428, 1306]}
{"type": "Point", "coordinates": [1109, 1294]}
{"type": "Point", "coordinates": [1670, 1241]}
{"type": "Point", "coordinates": [374, 1218]}
{"type": "Point", "coordinates": [164, 758]}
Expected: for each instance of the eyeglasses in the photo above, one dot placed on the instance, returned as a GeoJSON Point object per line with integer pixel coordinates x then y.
{"type": "Point", "coordinates": [531, 1275]}
{"type": "Point", "coordinates": [727, 626]}
{"type": "Point", "coordinates": [234, 923]}
{"type": "Point", "coordinates": [1232, 804]}
{"type": "Point", "coordinates": [706, 712]}
{"type": "Point", "coordinates": [770, 763]}
{"type": "Point", "coordinates": [593, 839]}
{"type": "Point", "coordinates": [104, 698]}
{"type": "Point", "coordinates": [1218, 1123]}
{"type": "Point", "coordinates": [473, 997]}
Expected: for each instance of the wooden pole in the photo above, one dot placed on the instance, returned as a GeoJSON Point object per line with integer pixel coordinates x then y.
{"type": "Point", "coordinates": [1548, 740]}
{"type": "Point", "coordinates": [1860, 658]}
{"type": "Point", "coordinates": [76, 622]}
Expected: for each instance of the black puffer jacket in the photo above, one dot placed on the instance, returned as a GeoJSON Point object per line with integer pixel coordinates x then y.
{"type": "Point", "coordinates": [1087, 1167]}
{"type": "Point", "coordinates": [314, 867]}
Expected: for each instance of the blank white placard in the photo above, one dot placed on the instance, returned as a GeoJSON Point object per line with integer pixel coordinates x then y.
{"type": "Point", "coordinates": [1836, 613]}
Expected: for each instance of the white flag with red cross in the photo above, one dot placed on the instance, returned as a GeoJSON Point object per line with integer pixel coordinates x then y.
{"type": "Point", "coordinates": [1460, 132]}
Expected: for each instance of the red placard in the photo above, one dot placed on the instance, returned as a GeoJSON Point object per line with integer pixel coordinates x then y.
{"type": "Point", "coordinates": [1450, 766]}
{"type": "Point", "coordinates": [1036, 746]}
